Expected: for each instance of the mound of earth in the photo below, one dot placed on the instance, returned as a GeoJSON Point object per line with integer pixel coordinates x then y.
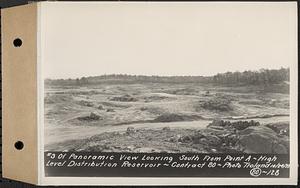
{"type": "Point", "coordinates": [124, 98]}
{"type": "Point", "coordinates": [183, 91]}
{"type": "Point", "coordinates": [55, 99]}
{"type": "Point", "coordinates": [238, 125]}
{"type": "Point", "coordinates": [256, 138]}
{"type": "Point", "coordinates": [217, 103]}
{"type": "Point", "coordinates": [85, 103]}
{"type": "Point", "coordinates": [155, 98]}
{"type": "Point", "coordinates": [92, 117]}
{"type": "Point", "coordinates": [281, 128]}
{"type": "Point", "coordinates": [176, 117]}
{"type": "Point", "coordinates": [262, 139]}
{"type": "Point", "coordinates": [163, 140]}
{"type": "Point", "coordinates": [221, 138]}
{"type": "Point", "coordinates": [114, 105]}
{"type": "Point", "coordinates": [153, 110]}
{"type": "Point", "coordinates": [158, 140]}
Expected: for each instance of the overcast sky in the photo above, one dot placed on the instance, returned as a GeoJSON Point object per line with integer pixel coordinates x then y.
{"type": "Point", "coordinates": [89, 39]}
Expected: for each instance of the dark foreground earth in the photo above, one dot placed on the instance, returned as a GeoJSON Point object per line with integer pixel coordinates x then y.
{"type": "Point", "coordinates": [161, 117]}
{"type": "Point", "coordinates": [218, 137]}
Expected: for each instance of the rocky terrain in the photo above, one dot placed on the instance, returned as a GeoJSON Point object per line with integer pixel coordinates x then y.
{"type": "Point", "coordinates": [218, 137]}
{"type": "Point", "coordinates": [163, 117]}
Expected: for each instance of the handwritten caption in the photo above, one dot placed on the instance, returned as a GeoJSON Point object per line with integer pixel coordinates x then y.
{"type": "Point", "coordinates": [253, 165]}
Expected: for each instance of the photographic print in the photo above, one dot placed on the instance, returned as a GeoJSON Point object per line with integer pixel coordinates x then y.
{"type": "Point", "coordinates": [175, 86]}
{"type": "Point", "coordinates": [168, 89]}
{"type": "Point", "coordinates": [150, 93]}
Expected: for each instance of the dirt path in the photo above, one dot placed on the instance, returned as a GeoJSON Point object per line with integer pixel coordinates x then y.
{"type": "Point", "coordinates": [56, 134]}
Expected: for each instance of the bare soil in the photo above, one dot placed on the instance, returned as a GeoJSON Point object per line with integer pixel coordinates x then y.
{"type": "Point", "coordinates": [77, 117]}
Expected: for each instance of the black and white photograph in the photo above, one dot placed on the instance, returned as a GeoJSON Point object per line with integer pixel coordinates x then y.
{"type": "Point", "coordinates": [168, 79]}
{"type": "Point", "coordinates": [150, 93]}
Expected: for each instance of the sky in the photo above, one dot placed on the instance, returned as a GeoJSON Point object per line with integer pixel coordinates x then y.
{"type": "Point", "coordinates": [165, 39]}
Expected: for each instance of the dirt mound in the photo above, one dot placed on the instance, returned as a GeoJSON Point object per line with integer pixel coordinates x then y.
{"type": "Point", "coordinates": [130, 130]}
{"type": "Point", "coordinates": [155, 98]}
{"type": "Point", "coordinates": [217, 103]}
{"type": "Point", "coordinates": [110, 110]}
{"type": "Point", "coordinates": [54, 99]}
{"type": "Point", "coordinates": [262, 139]}
{"type": "Point", "coordinates": [92, 117]}
{"type": "Point", "coordinates": [153, 110]}
{"type": "Point", "coordinates": [81, 92]}
{"type": "Point", "coordinates": [114, 105]}
{"type": "Point", "coordinates": [138, 140]}
{"type": "Point", "coordinates": [182, 91]}
{"type": "Point", "coordinates": [254, 139]}
{"type": "Point", "coordinates": [281, 128]}
{"type": "Point", "coordinates": [166, 129]}
{"type": "Point", "coordinates": [250, 136]}
{"type": "Point", "coordinates": [85, 103]}
{"type": "Point", "coordinates": [238, 125]}
{"type": "Point", "coordinates": [124, 98]}
{"type": "Point", "coordinates": [169, 118]}
{"type": "Point", "coordinates": [176, 117]}
{"type": "Point", "coordinates": [211, 140]}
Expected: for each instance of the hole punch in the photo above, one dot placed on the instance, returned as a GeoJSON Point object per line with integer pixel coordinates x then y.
{"type": "Point", "coordinates": [17, 42]}
{"type": "Point", "coordinates": [19, 145]}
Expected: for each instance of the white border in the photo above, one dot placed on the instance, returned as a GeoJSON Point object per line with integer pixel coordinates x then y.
{"type": "Point", "coordinates": [40, 90]}
{"type": "Point", "coordinates": [42, 180]}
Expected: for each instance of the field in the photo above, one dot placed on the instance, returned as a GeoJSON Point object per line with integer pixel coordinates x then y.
{"type": "Point", "coordinates": [166, 117]}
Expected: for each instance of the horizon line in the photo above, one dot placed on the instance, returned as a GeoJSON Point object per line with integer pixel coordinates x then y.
{"type": "Point", "coordinates": [125, 74]}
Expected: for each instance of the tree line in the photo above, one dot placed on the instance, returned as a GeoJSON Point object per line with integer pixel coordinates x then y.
{"type": "Point", "coordinates": [263, 76]}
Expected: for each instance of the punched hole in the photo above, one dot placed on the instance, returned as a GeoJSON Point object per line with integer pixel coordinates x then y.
{"type": "Point", "coordinates": [17, 42]}
{"type": "Point", "coordinates": [19, 145]}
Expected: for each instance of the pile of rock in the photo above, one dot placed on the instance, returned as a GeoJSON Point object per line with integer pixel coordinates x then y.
{"type": "Point", "coordinates": [110, 110]}
{"type": "Point", "coordinates": [251, 137]}
{"type": "Point", "coordinates": [130, 130]}
{"type": "Point", "coordinates": [86, 103]}
{"type": "Point", "coordinates": [92, 117]}
{"type": "Point", "coordinates": [238, 125]}
{"type": "Point", "coordinates": [154, 98]}
{"type": "Point", "coordinates": [238, 137]}
{"type": "Point", "coordinates": [166, 129]}
{"type": "Point", "coordinates": [281, 128]}
{"type": "Point", "coordinates": [170, 117]}
{"type": "Point", "coordinates": [218, 104]}
{"type": "Point", "coordinates": [262, 139]}
{"type": "Point", "coordinates": [124, 98]}
{"type": "Point", "coordinates": [200, 137]}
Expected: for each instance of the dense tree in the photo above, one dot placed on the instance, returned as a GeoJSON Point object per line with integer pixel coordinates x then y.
{"type": "Point", "coordinates": [261, 77]}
